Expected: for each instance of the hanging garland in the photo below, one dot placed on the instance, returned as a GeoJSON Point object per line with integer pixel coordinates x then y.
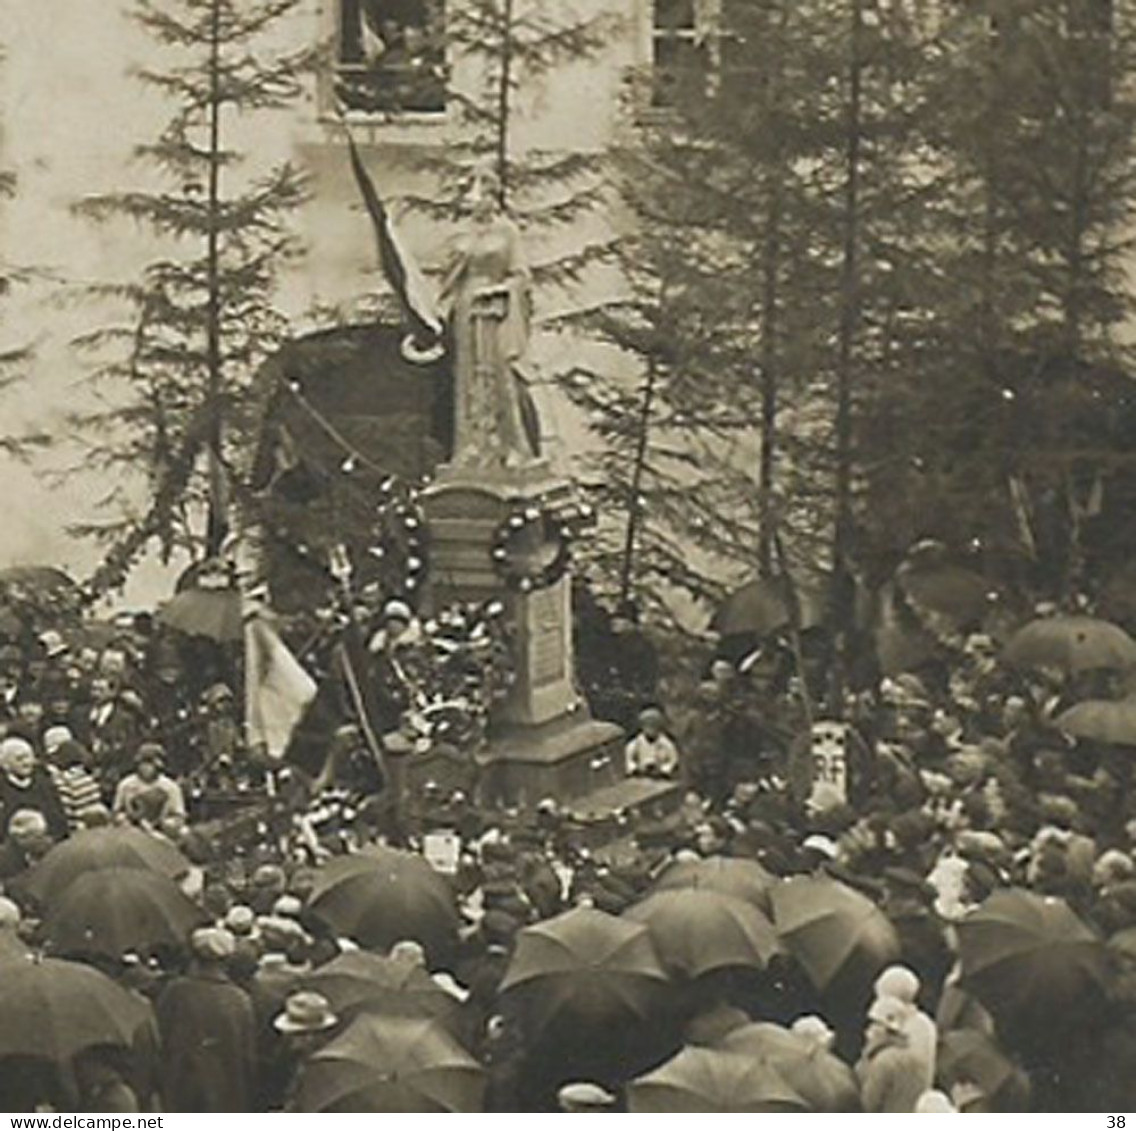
{"type": "Point", "coordinates": [522, 526]}
{"type": "Point", "coordinates": [399, 544]}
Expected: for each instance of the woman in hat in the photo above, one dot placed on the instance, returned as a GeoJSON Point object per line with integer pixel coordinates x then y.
{"type": "Point", "coordinates": [892, 1073]}
{"type": "Point", "coordinates": [148, 781]}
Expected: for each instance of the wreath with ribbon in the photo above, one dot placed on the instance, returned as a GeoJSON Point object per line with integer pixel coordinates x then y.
{"type": "Point", "coordinates": [512, 533]}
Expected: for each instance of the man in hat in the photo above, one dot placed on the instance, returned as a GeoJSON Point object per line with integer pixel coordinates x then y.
{"type": "Point", "coordinates": [208, 1032]}
{"type": "Point", "coordinates": [304, 1024]}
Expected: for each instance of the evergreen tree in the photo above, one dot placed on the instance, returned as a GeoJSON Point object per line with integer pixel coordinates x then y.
{"type": "Point", "coordinates": [781, 198]}
{"type": "Point", "coordinates": [172, 377]}
{"type": "Point", "coordinates": [1013, 415]}
{"type": "Point", "coordinates": [500, 54]}
{"type": "Point", "coordinates": [14, 356]}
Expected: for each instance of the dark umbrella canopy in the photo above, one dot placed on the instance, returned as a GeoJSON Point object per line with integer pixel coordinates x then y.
{"type": "Point", "coordinates": [957, 594]}
{"type": "Point", "coordinates": [823, 1080]}
{"type": "Point", "coordinates": [1029, 959]}
{"type": "Point", "coordinates": [115, 911]}
{"type": "Point", "coordinates": [833, 931]}
{"type": "Point", "coordinates": [45, 579]}
{"type": "Point", "coordinates": [1072, 644]}
{"type": "Point", "coordinates": [698, 931]}
{"type": "Point", "coordinates": [359, 982]}
{"type": "Point", "coordinates": [762, 607]}
{"type": "Point", "coordinates": [391, 1064]}
{"type": "Point", "coordinates": [383, 895]}
{"type": "Point", "coordinates": [92, 850]}
{"type": "Point", "coordinates": [212, 613]}
{"type": "Point", "coordinates": [714, 1081]}
{"type": "Point", "coordinates": [972, 1056]}
{"type": "Point", "coordinates": [587, 965]}
{"type": "Point", "coordinates": [727, 875]}
{"type": "Point", "coordinates": [1101, 720]}
{"type": "Point", "coordinates": [54, 1009]}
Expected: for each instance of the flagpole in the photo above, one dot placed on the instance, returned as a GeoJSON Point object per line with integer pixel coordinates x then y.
{"type": "Point", "coordinates": [794, 609]}
{"type": "Point", "coordinates": [340, 566]}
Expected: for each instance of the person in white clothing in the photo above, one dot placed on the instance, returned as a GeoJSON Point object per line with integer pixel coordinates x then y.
{"type": "Point", "coordinates": [652, 752]}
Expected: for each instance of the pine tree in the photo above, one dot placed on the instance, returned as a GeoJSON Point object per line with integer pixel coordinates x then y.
{"type": "Point", "coordinates": [16, 355]}
{"type": "Point", "coordinates": [782, 197]}
{"type": "Point", "coordinates": [172, 377]}
{"type": "Point", "coordinates": [500, 55]}
{"type": "Point", "coordinates": [1021, 382]}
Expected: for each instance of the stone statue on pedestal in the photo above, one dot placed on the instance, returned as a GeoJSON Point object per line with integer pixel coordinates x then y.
{"type": "Point", "coordinates": [487, 294]}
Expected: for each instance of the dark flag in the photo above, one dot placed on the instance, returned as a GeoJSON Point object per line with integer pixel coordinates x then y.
{"type": "Point", "coordinates": [402, 273]}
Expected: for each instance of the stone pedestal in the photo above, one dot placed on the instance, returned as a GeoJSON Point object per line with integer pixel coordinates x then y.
{"type": "Point", "coordinates": [543, 742]}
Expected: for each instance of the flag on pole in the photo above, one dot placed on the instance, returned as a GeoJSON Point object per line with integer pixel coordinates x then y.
{"type": "Point", "coordinates": [402, 273]}
{"type": "Point", "coordinates": [277, 688]}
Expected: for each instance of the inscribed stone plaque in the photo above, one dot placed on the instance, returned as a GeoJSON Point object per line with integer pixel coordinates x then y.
{"type": "Point", "coordinates": [549, 646]}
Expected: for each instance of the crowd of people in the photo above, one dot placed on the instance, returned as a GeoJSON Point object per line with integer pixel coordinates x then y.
{"type": "Point", "coordinates": [937, 790]}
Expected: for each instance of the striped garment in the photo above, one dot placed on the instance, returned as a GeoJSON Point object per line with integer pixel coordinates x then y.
{"type": "Point", "coordinates": [77, 790]}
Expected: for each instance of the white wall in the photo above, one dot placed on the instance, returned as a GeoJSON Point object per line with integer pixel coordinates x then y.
{"type": "Point", "coordinates": [70, 114]}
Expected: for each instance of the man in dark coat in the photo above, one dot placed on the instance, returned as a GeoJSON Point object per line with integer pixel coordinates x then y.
{"type": "Point", "coordinates": [208, 1032]}
{"type": "Point", "coordinates": [26, 785]}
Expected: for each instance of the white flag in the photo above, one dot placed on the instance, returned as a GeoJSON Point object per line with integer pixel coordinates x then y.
{"type": "Point", "coordinates": [277, 688]}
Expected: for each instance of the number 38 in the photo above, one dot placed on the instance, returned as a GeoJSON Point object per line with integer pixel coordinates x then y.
{"type": "Point", "coordinates": [1116, 1121]}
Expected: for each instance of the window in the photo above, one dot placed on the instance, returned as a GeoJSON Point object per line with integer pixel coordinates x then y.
{"type": "Point", "coordinates": [684, 48]}
{"type": "Point", "coordinates": [391, 56]}
{"type": "Point", "coordinates": [696, 46]}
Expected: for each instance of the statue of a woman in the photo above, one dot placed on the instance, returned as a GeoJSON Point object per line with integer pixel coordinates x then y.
{"type": "Point", "coordinates": [487, 295]}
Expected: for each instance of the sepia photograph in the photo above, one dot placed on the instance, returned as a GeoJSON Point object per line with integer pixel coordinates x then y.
{"type": "Point", "coordinates": [567, 556]}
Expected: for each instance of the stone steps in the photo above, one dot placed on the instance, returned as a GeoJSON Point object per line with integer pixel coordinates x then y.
{"type": "Point", "coordinates": [599, 812]}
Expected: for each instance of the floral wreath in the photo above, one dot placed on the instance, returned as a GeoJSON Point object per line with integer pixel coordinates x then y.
{"type": "Point", "coordinates": [519, 522]}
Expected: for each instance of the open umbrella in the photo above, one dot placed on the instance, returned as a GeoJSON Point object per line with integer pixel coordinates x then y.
{"type": "Point", "coordinates": [43, 579]}
{"type": "Point", "coordinates": [761, 607]}
{"type": "Point", "coordinates": [1028, 958]}
{"type": "Point", "coordinates": [712, 1080]}
{"type": "Point", "coordinates": [359, 982]}
{"type": "Point", "coordinates": [967, 1055]}
{"type": "Point", "coordinates": [1072, 644]}
{"type": "Point", "coordinates": [1124, 943]}
{"type": "Point", "coordinates": [92, 850]}
{"type": "Point", "coordinates": [833, 931]}
{"type": "Point", "coordinates": [822, 1079]}
{"type": "Point", "coordinates": [727, 875]}
{"type": "Point", "coordinates": [697, 931]}
{"type": "Point", "coordinates": [391, 1064]}
{"type": "Point", "coordinates": [54, 1009]}
{"type": "Point", "coordinates": [117, 910]}
{"type": "Point", "coordinates": [585, 964]}
{"type": "Point", "coordinates": [952, 592]}
{"type": "Point", "coordinates": [382, 895]}
{"type": "Point", "coordinates": [1101, 720]}
{"type": "Point", "coordinates": [212, 613]}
